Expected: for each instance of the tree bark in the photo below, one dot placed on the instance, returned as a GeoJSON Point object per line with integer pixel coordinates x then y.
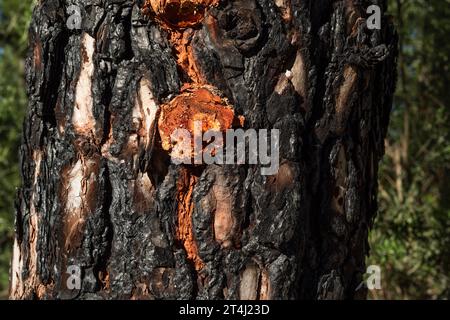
{"type": "Point", "coordinates": [100, 192]}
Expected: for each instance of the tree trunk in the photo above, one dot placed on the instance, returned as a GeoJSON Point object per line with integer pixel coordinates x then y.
{"type": "Point", "coordinates": [101, 194]}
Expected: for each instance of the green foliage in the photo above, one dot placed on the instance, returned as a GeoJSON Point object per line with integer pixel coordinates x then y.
{"type": "Point", "coordinates": [14, 17]}
{"type": "Point", "coordinates": [411, 236]}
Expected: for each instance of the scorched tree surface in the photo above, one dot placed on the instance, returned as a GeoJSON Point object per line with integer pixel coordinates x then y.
{"type": "Point", "coordinates": [100, 192]}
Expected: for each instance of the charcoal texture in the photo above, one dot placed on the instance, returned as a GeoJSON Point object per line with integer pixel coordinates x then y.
{"type": "Point", "coordinates": [100, 193]}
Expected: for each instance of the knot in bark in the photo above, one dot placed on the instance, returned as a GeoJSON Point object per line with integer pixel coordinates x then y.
{"type": "Point", "coordinates": [241, 23]}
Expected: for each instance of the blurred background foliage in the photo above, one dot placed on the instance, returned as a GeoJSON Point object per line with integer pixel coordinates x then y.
{"type": "Point", "coordinates": [411, 235]}
{"type": "Point", "coordinates": [14, 18]}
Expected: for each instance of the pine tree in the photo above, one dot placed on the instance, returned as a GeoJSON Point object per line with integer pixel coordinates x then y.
{"type": "Point", "coordinates": [108, 80]}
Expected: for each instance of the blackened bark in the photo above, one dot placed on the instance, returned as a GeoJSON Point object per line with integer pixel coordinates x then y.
{"type": "Point", "coordinates": [99, 191]}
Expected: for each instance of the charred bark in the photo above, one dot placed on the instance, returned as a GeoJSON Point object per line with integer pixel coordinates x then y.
{"type": "Point", "coordinates": [100, 192]}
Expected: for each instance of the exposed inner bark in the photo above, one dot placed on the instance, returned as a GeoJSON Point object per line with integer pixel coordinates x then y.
{"type": "Point", "coordinates": [179, 13]}
{"type": "Point", "coordinates": [194, 105]}
{"type": "Point", "coordinates": [185, 233]}
{"type": "Point", "coordinates": [83, 117]}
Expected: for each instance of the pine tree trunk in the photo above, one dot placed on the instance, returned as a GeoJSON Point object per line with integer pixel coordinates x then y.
{"type": "Point", "coordinates": [100, 192]}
